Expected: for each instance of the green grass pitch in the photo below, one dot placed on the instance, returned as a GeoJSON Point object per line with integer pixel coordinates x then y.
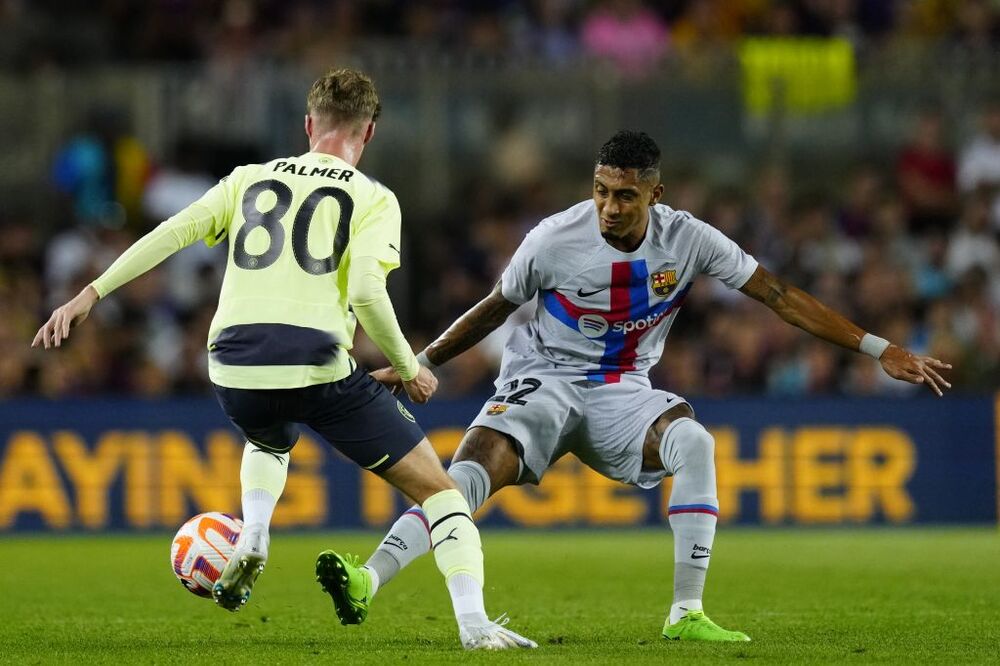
{"type": "Point", "coordinates": [804, 596]}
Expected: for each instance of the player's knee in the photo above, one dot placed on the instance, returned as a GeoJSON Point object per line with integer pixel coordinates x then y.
{"type": "Point", "coordinates": [493, 450]}
{"type": "Point", "coordinates": [697, 443]}
{"type": "Point", "coordinates": [419, 474]}
{"type": "Point", "coordinates": [653, 448]}
{"type": "Point", "coordinates": [687, 442]}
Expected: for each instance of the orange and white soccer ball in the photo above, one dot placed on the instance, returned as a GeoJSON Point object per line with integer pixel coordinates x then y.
{"type": "Point", "coordinates": [201, 549]}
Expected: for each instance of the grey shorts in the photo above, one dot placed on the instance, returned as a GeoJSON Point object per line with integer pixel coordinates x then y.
{"type": "Point", "coordinates": [604, 425]}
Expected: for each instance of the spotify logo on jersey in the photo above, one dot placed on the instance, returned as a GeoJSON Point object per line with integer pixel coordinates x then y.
{"type": "Point", "coordinates": [592, 325]}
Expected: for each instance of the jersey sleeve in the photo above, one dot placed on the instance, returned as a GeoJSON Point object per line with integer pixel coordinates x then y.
{"type": "Point", "coordinates": [525, 274]}
{"type": "Point", "coordinates": [207, 219]}
{"type": "Point", "coordinates": [373, 308]}
{"type": "Point", "coordinates": [217, 207]}
{"type": "Point", "coordinates": [377, 232]}
{"type": "Point", "coordinates": [721, 258]}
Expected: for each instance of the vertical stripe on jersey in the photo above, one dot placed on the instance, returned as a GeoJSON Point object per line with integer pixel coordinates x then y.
{"type": "Point", "coordinates": [640, 308]}
{"type": "Point", "coordinates": [629, 300]}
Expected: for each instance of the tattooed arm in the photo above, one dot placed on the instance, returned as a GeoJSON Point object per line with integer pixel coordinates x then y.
{"type": "Point", "coordinates": [800, 309]}
{"type": "Point", "coordinates": [482, 319]}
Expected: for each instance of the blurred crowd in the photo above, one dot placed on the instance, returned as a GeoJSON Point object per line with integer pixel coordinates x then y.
{"type": "Point", "coordinates": [911, 252]}
{"type": "Point", "coordinates": [908, 246]}
{"type": "Point", "coordinates": [634, 34]}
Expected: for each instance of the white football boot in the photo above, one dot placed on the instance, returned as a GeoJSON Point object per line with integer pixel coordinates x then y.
{"type": "Point", "coordinates": [235, 583]}
{"type": "Point", "coordinates": [492, 636]}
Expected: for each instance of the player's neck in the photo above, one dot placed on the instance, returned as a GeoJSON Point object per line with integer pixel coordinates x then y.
{"type": "Point", "coordinates": [347, 146]}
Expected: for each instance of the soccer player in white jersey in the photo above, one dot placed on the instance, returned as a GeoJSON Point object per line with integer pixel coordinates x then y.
{"type": "Point", "coordinates": [609, 276]}
{"type": "Point", "coordinates": [311, 240]}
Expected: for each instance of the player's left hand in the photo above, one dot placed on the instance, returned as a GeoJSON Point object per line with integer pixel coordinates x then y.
{"type": "Point", "coordinates": [65, 317]}
{"type": "Point", "coordinates": [902, 364]}
{"type": "Point", "coordinates": [389, 378]}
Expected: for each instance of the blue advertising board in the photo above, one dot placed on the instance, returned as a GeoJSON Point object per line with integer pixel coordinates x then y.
{"type": "Point", "coordinates": [125, 464]}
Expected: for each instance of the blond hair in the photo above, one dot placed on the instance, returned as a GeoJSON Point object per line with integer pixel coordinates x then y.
{"type": "Point", "coordinates": [342, 97]}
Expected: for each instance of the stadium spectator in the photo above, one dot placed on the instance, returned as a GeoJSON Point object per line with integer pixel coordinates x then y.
{"type": "Point", "coordinates": [930, 277]}
{"type": "Point", "coordinates": [889, 241]}
{"type": "Point", "coordinates": [973, 245]}
{"type": "Point", "coordinates": [855, 217]}
{"type": "Point", "coordinates": [707, 24]}
{"type": "Point", "coordinates": [195, 273]}
{"type": "Point", "coordinates": [925, 172]}
{"type": "Point", "coordinates": [768, 216]}
{"type": "Point", "coordinates": [820, 247]}
{"type": "Point", "coordinates": [975, 322]}
{"type": "Point", "coordinates": [549, 30]}
{"type": "Point", "coordinates": [977, 28]}
{"type": "Point", "coordinates": [102, 170]}
{"type": "Point", "coordinates": [626, 33]}
{"type": "Point", "coordinates": [979, 164]}
{"type": "Point", "coordinates": [780, 19]}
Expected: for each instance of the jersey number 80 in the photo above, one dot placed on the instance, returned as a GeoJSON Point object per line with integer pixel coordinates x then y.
{"type": "Point", "coordinates": [270, 221]}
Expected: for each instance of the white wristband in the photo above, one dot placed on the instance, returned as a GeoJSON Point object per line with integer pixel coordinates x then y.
{"type": "Point", "coordinates": [424, 361]}
{"type": "Point", "coordinates": [873, 345]}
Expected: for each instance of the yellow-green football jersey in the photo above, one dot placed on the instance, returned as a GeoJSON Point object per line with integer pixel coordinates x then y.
{"type": "Point", "coordinates": [294, 224]}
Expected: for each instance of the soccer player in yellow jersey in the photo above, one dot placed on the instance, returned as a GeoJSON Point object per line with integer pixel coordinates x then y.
{"type": "Point", "coordinates": [311, 238]}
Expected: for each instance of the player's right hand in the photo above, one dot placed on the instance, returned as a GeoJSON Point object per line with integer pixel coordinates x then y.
{"type": "Point", "coordinates": [422, 387]}
{"type": "Point", "coordinates": [389, 378]}
{"type": "Point", "coordinates": [65, 317]}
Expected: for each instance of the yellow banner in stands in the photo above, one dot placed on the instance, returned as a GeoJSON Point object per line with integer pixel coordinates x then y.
{"type": "Point", "coordinates": [802, 76]}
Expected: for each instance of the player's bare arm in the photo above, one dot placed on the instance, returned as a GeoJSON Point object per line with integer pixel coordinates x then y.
{"type": "Point", "coordinates": [800, 309]}
{"type": "Point", "coordinates": [482, 319]}
{"type": "Point", "coordinates": [66, 317]}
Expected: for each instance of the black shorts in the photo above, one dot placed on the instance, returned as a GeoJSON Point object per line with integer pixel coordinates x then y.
{"type": "Point", "coordinates": [358, 416]}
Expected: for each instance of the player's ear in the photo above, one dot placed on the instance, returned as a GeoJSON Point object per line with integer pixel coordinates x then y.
{"type": "Point", "coordinates": [309, 126]}
{"type": "Point", "coordinates": [655, 195]}
{"type": "Point", "coordinates": [369, 131]}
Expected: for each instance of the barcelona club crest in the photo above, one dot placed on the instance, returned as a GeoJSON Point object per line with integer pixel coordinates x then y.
{"type": "Point", "coordinates": [496, 409]}
{"type": "Point", "coordinates": [664, 282]}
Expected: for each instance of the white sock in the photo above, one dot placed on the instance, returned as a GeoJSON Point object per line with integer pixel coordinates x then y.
{"type": "Point", "coordinates": [687, 452]}
{"type": "Point", "coordinates": [258, 507]}
{"type": "Point", "coordinates": [467, 599]}
{"type": "Point", "coordinates": [407, 540]}
{"type": "Point", "coordinates": [374, 577]}
{"type": "Point", "coordinates": [262, 479]}
{"type": "Point", "coordinates": [680, 608]}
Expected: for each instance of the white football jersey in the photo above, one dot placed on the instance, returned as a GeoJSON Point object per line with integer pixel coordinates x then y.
{"type": "Point", "coordinates": [602, 313]}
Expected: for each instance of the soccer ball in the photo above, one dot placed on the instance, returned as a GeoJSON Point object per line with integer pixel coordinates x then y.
{"type": "Point", "coordinates": [201, 549]}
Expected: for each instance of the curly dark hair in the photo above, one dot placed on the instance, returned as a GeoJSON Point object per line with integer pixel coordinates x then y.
{"type": "Point", "coordinates": [629, 149]}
